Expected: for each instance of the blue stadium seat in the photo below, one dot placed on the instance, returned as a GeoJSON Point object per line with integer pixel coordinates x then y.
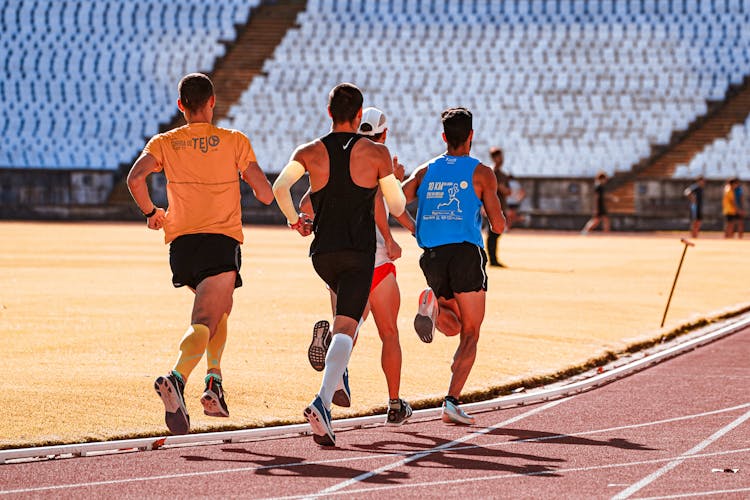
{"type": "Point", "coordinates": [85, 55]}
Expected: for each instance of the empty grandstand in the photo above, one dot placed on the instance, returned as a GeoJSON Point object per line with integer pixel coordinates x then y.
{"type": "Point", "coordinates": [722, 159]}
{"type": "Point", "coordinates": [566, 87]}
{"type": "Point", "coordinates": [86, 80]}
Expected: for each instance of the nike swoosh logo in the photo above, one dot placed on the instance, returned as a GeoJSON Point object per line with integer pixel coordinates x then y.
{"type": "Point", "coordinates": [348, 142]}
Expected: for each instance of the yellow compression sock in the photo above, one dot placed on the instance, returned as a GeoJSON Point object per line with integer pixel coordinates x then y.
{"type": "Point", "coordinates": [192, 346]}
{"type": "Point", "coordinates": [215, 347]}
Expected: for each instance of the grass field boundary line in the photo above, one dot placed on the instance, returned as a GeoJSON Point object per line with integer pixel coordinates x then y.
{"type": "Point", "coordinates": [522, 399]}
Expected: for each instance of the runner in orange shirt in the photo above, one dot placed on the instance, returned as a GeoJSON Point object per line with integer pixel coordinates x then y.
{"type": "Point", "coordinates": [203, 227]}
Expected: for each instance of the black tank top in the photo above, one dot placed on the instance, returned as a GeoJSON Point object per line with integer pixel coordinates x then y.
{"type": "Point", "coordinates": [344, 212]}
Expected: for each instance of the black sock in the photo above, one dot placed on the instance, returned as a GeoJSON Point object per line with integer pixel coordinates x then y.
{"type": "Point", "coordinates": [451, 399]}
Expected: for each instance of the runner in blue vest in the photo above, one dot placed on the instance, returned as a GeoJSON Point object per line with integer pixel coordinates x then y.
{"type": "Point", "coordinates": [451, 191]}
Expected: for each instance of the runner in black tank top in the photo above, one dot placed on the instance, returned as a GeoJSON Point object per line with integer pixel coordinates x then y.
{"type": "Point", "coordinates": [343, 250]}
{"type": "Point", "coordinates": [344, 211]}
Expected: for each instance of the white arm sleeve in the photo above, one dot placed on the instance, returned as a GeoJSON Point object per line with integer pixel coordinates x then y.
{"type": "Point", "coordinates": [282, 189]}
{"type": "Point", "coordinates": [393, 194]}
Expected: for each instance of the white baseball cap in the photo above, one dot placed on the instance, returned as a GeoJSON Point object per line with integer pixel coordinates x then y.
{"type": "Point", "coordinates": [373, 122]}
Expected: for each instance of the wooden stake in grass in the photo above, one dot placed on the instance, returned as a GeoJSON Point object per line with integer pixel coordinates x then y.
{"type": "Point", "coordinates": [677, 275]}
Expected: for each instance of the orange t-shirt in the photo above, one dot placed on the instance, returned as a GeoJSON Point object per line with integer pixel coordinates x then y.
{"type": "Point", "coordinates": [201, 163]}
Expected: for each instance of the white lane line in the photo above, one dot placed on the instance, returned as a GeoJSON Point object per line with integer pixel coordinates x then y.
{"type": "Point", "coordinates": [444, 446]}
{"type": "Point", "coordinates": [671, 465]}
{"type": "Point", "coordinates": [698, 494]}
{"type": "Point", "coordinates": [499, 476]}
{"type": "Point", "coordinates": [366, 457]}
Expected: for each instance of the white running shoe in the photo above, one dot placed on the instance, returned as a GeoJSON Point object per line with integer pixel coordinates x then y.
{"type": "Point", "coordinates": [424, 322]}
{"type": "Point", "coordinates": [453, 414]}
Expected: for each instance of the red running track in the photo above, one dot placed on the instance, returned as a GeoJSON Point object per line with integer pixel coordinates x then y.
{"type": "Point", "coordinates": [677, 429]}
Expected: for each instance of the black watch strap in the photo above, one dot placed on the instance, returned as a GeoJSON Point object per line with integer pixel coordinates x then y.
{"type": "Point", "coordinates": [150, 214]}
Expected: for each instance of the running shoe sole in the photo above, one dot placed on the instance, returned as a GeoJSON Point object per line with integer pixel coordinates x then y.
{"type": "Point", "coordinates": [424, 328]}
{"type": "Point", "coordinates": [318, 349]}
{"type": "Point", "coordinates": [175, 413]}
{"type": "Point", "coordinates": [425, 325]}
{"type": "Point", "coordinates": [320, 430]}
{"type": "Point", "coordinates": [211, 405]}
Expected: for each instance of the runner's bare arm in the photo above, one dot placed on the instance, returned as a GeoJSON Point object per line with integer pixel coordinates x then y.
{"type": "Point", "coordinates": [407, 221]}
{"type": "Point", "coordinates": [142, 168]}
{"type": "Point", "coordinates": [486, 182]}
{"type": "Point", "coordinates": [411, 184]}
{"type": "Point", "coordinates": [258, 181]}
{"type": "Point", "coordinates": [393, 249]}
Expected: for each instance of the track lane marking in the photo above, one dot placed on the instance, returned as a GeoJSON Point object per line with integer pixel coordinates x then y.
{"type": "Point", "coordinates": [364, 457]}
{"type": "Point", "coordinates": [448, 482]}
{"type": "Point", "coordinates": [671, 465]}
{"type": "Point", "coordinates": [436, 449]}
{"type": "Point", "coordinates": [697, 494]}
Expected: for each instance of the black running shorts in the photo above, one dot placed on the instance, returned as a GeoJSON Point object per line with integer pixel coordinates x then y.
{"type": "Point", "coordinates": [454, 268]}
{"type": "Point", "coordinates": [195, 257]}
{"type": "Point", "coordinates": [349, 274]}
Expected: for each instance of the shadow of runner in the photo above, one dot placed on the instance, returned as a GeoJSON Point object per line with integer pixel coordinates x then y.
{"type": "Point", "coordinates": [463, 456]}
{"type": "Point", "coordinates": [539, 436]}
{"type": "Point", "coordinates": [290, 466]}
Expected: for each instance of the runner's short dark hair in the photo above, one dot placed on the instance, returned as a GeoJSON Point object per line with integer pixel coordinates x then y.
{"type": "Point", "coordinates": [456, 125]}
{"type": "Point", "coordinates": [345, 101]}
{"type": "Point", "coordinates": [195, 90]}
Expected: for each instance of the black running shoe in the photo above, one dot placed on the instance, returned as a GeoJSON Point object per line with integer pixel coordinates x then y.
{"type": "Point", "coordinates": [213, 397]}
{"type": "Point", "coordinates": [171, 389]}
{"type": "Point", "coordinates": [398, 416]}
{"type": "Point", "coordinates": [318, 349]}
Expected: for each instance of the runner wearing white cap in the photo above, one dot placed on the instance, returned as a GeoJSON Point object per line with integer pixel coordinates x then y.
{"type": "Point", "coordinates": [385, 296]}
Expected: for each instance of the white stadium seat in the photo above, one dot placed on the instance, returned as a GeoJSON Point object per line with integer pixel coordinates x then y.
{"type": "Point", "coordinates": [623, 76]}
{"type": "Point", "coordinates": [99, 62]}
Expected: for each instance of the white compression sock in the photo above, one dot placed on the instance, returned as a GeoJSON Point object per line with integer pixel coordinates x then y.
{"type": "Point", "coordinates": [336, 361]}
{"type": "Point", "coordinates": [340, 385]}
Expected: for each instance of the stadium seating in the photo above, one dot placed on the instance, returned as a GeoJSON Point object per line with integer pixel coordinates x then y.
{"type": "Point", "coordinates": [86, 81]}
{"type": "Point", "coordinates": [566, 87]}
{"type": "Point", "coordinates": [722, 159]}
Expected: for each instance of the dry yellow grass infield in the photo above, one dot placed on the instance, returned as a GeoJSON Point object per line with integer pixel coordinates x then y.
{"type": "Point", "coordinates": [88, 319]}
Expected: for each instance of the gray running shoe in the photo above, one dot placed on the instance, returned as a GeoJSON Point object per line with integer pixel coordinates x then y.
{"type": "Point", "coordinates": [171, 389]}
{"type": "Point", "coordinates": [318, 349]}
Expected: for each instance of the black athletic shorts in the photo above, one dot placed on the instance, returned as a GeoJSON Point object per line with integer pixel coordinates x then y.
{"type": "Point", "coordinates": [454, 268]}
{"type": "Point", "coordinates": [349, 274]}
{"type": "Point", "coordinates": [195, 257]}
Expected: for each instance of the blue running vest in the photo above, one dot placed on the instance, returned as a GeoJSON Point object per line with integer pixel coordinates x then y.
{"type": "Point", "coordinates": [449, 210]}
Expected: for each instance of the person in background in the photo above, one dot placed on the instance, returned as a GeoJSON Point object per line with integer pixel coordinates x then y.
{"type": "Point", "coordinates": [601, 215]}
{"type": "Point", "coordinates": [503, 191]}
{"type": "Point", "coordinates": [739, 199]}
{"type": "Point", "coordinates": [729, 207]}
{"type": "Point", "coordinates": [694, 193]}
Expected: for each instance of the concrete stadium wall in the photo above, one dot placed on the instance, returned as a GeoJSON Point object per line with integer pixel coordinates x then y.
{"type": "Point", "coordinates": [659, 204]}
{"type": "Point", "coordinates": [550, 203]}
